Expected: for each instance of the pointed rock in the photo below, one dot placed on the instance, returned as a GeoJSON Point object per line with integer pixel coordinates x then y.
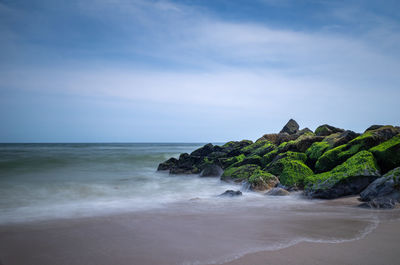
{"type": "Point", "coordinates": [291, 127]}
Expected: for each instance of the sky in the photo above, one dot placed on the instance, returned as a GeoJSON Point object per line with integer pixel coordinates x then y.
{"type": "Point", "coordinates": [194, 70]}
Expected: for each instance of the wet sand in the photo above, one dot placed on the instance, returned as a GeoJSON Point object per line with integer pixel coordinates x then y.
{"type": "Point", "coordinates": [381, 246]}
{"type": "Point", "coordinates": [199, 233]}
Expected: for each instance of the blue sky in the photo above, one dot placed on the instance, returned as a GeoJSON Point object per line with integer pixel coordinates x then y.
{"type": "Point", "coordinates": [194, 71]}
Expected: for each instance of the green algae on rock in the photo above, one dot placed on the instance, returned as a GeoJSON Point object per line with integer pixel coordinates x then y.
{"type": "Point", "coordinates": [290, 168]}
{"type": "Point", "coordinates": [261, 180]}
{"type": "Point", "coordinates": [351, 177]}
{"type": "Point", "coordinates": [239, 174]}
{"type": "Point", "coordinates": [388, 154]}
{"type": "Point", "coordinates": [339, 154]}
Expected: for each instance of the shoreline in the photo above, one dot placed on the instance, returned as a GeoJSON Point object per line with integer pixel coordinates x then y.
{"type": "Point", "coordinates": [170, 236]}
{"type": "Point", "coordinates": [374, 248]}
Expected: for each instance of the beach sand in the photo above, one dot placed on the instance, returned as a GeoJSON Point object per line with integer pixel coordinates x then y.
{"type": "Point", "coordinates": [199, 237]}
{"type": "Point", "coordinates": [380, 247]}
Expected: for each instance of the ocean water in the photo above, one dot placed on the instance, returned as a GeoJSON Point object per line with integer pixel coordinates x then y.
{"type": "Point", "coordinates": [44, 188]}
{"type": "Point", "coordinates": [43, 181]}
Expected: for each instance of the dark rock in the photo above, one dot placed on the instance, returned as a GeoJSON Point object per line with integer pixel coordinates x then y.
{"type": "Point", "coordinates": [384, 192]}
{"type": "Point", "coordinates": [338, 155]}
{"type": "Point", "coordinates": [343, 138]}
{"type": "Point", "coordinates": [388, 153]}
{"type": "Point", "coordinates": [231, 193]}
{"type": "Point", "coordinates": [233, 148]}
{"type": "Point", "coordinates": [325, 130]}
{"type": "Point", "coordinates": [186, 165]}
{"type": "Point", "coordinates": [278, 138]}
{"type": "Point", "coordinates": [203, 151]}
{"type": "Point", "coordinates": [167, 165]}
{"type": "Point", "coordinates": [380, 203]}
{"type": "Point", "coordinates": [291, 127]}
{"type": "Point", "coordinates": [374, 127]}
{"type": "Point", "coordinates": [349, 178]}
{"type": "Point", "coordinates": [211, 171]}
{"type": "Point", "coordinates": [304, 131]}
{"type": "Point", "coordinates": [277, 192]}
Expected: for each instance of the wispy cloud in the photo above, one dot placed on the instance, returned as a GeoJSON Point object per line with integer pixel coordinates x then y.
{"type": "Point", "coordinates": [163, 53]}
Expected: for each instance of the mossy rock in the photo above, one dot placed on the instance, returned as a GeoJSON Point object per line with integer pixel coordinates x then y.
{"type": "Point", "coordinates": [325, 130]}
{"type": "Point", "coordinates": [261, 180]}
{"type": "Point", "coordinates": [351, 177]}
{"type": "Point", "coordinates": [316, 150]}
{"type": "Point", "coordinates": [301, 144]}
{"type": "Point", "coordinates": [339, 154]}
{"type": "Point", "coordinates": [290, 169]}
{"type": "Point", "coordinates": [239, 174]}
{"type": "Point", "coordinates": [267, 158]}
{"type": "Point", "coordinates": [254, 159]}
{"type": "Point", "coordinates": [259, 148]}
{"type": "Point", "coordinates": [227, 162]}
{"type": "Point", "coordinates": [388, 154]}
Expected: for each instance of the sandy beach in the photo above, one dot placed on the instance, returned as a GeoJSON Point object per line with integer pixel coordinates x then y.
{"type": "Point", "coordinates": [378, 247]}
{"type": "Point", "coordinates": [194, 236]}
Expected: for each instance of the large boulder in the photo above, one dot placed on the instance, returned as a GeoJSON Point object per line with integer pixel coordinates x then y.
{"type": "Point", "coordinates": [325, 130]}
{"type": "Point", "coordinates": [301, 144]}
{"type": "Point", "coordinates": [203, 151]}
{"type": "Point", "coordinates": [186, 164]}
{"type": "Point", "coordinates": [384, 192]}
{"type": "Point", "coordinates": [339, 154]}
{"type": "Point", "coordinates": [317, 149]}
{"type": "Point", "coordinates": [291, 127]}
{"type": "Point", "coordinates": [239, 174]}
{"type": "Point", "coordinates": [261, 180]}
{"type": "Point", "coordinates": [290, 168]}
{"type": "Point", "coordinates": [233, 148]}
{"type": "Point", "coordinates": [259, 148]}
{"type": "Point", "coordinates": [349, 178]}
{"type": "Point", "coordinates": [278, 138]}
{"type": "Point", "coordinates": [388, 154]}
{"type": "Point", "coordinates": [167, 165]}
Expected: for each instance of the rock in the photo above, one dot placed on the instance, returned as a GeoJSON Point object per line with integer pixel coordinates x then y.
{"type": "Point", "coordinates": [384, 192]}
{"type": "Point", "coordinates": [380, 203]}
{"type": "Point", "coordinates": [261, 180]}
{"type": "Point", "coordinates": [186, 165]}
{"type": "Point", "coordinates": [374, 127]}
{"type": "Point", "coordinates": [167, 165]}
{"type": "Point", "coordinates": [317, 149]}
{"type": "Point", "coordinates": [259, 148]}
{"type": "Point", "coordinates": [203, 151]}
{"type": "Point", "coordinates": [277, 192]}
{"type": "Point", "coordinates": [238, 174]}
{"type": "Point", "coordinates": [338, 155]}
{"type": "Point", "coordinates": [231, 193]}
{"type": "Point", "coordinates": [325, 130]}
{"type": "Point", "coordinates": [291, 127]}
{"type": "Point", "coordinates": [349, 178]}
{"type": "Point", "coordinates": [388, 154]}
{"type": "Point", "coordinates": [301, 144]}
{"type": "Point", "coordinates": [233, 148]}
{"type": "Point", "coordinates": [290, 168]}
{"type": "Point", "coordinates": [278, 138]}
{"type": "Point", "coordinates": [255, 159]}
{"type": "Point", "coordinates": [211, 171]}
{"type": "Point", "coordinates": [304, 131]}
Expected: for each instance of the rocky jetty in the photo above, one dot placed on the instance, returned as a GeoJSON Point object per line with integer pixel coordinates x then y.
{"type": "Point", "coordinates": [328, 163]}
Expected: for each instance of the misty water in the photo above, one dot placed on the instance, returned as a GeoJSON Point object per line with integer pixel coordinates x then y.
{"type": "Point", "coordinates": [173, 213]}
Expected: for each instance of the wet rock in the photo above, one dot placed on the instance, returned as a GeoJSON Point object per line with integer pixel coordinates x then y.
{"type": "Point", "coordinates": [291, 127]}
{"type": "Point", "coordinates": [349, 178]}
{"type": "Point", "coordinates": [211, 171]}
{"type": "Point", "coordinates": [277, 192]}
{"type": "Point", "coordinates": [325, 130]}
{"type": "Point", "coordinates": [167, 165]}
{"type": "Point", "coordinates": [231, 193]}
{"type": "Point", "coordinates": [384, 192]}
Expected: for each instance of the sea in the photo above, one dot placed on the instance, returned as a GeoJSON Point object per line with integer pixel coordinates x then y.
{"type": "Point", "coordinates": [52, 182]}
